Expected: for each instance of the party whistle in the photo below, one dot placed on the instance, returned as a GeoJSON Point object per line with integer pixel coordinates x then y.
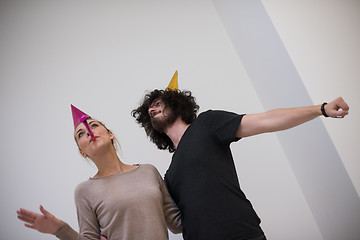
{"type": "Point", "coordinates": [83, 120]}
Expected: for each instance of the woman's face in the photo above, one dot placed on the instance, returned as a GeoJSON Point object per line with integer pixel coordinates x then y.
{"type": "Point", "coordinates": [87, 146]}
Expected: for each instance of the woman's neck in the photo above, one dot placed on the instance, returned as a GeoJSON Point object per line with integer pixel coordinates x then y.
{"type": "Point", "coordinates": [109, 164]}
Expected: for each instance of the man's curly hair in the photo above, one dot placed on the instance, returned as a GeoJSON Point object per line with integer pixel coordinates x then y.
{"type": "Point", "coordinates": [181, 103]}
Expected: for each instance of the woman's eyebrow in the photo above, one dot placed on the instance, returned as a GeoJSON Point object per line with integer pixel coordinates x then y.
{"type": "Point", "coordinates": [79, 130]}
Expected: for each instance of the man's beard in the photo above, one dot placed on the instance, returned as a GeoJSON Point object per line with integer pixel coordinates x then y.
{"type": "Point", "coordinates": [161, 124]}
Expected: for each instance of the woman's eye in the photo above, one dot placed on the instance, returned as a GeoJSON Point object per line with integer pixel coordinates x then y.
{"type": "Point", "coordinates": [94, 125]}
{"type": "Point", "coordinates": [80, 134]}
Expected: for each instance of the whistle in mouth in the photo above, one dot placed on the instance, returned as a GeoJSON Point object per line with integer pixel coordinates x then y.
{"type": "Point", "coordinates": [83, 120]}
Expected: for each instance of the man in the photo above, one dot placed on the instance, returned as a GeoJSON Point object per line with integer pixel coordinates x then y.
{"type": "Point", "coordinates": [201, 177]}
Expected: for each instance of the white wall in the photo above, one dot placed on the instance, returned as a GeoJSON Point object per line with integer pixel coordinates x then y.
{"type": "Point", "coordinates": [322, 38]}
{"type": "Point", "coordinates": [101, 56]}
{"type": "Point", "coordinates": [317, 166]}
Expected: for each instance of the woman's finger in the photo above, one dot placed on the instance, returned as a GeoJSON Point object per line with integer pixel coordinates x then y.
{"type": "Point", "coordinates": [30, 226]}
{"type": "Point", "coordinates": [43, 211]}
{"type": "Point", "coordinates": [28, 220]}
{"type": "Point", "coordinates": [28, 213]}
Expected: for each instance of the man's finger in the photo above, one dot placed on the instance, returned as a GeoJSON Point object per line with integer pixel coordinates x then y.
{"type": "Point", "coordinates": [342, 104]}
{"type": "Point", "coordinates": [342, 113]}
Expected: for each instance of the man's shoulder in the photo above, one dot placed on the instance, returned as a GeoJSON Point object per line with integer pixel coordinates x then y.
{"type": "Point", "coordinates": [216, 112]}
{"type": "Point", "coordinates": [207, 113]}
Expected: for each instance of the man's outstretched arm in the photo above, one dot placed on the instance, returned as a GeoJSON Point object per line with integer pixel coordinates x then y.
{"type": "Point", "coordinates": [285, 118]}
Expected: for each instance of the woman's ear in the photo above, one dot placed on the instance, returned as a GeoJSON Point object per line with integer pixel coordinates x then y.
{"type": "Point", "coordinates": [111, 135]}
{"type": "Point", "coordinates": [84, 155]}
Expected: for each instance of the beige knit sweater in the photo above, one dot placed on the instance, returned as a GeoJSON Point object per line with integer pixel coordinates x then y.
{"type": "Point", "coordinates": [134, 205]}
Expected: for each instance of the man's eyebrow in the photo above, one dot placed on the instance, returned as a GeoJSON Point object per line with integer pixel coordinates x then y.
{"type": "Point", "coordinates": [155, 102]}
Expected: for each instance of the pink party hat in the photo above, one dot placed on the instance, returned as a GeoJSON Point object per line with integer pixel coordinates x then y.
{"type": "Point", "coordinates": [78, 116]}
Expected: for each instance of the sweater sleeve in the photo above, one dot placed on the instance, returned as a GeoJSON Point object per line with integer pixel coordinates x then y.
{"type": "Point", "coordinates": [88, 224]}
{"type": "Point", "coordinates": [171, 211]}
{"type": "Point", "coordinates": [68, 233]}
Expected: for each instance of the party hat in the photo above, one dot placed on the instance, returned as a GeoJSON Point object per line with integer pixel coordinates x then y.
{"type": "Point", "coordinates": [173, 85]}
{"type": "Point", "coordinates": [78, 116]}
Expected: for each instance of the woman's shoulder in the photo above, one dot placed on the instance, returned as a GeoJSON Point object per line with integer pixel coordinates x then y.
{"type": "Point", "coordinates": [150, 167]}
{"type": "Point", "coordinates": [83, 187]}
{"type": "Point", "coordinates": [147, 165]}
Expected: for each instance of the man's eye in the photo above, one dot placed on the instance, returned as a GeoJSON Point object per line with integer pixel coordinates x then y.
{"type": "Point", "coordinates": [80, 134]}
{"type": "Point", "coordinates": [94, 125]}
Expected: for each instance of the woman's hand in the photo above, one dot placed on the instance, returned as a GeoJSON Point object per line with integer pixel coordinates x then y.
{"type": "Point", "coordinates": [44, 223]}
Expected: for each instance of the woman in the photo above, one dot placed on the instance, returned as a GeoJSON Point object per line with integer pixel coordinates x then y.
{"type": "Point", "coordinates": [120, 202]}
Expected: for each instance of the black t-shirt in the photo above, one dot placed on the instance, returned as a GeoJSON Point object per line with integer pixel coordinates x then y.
{"type": "Point", "coordinates": [203, 182]}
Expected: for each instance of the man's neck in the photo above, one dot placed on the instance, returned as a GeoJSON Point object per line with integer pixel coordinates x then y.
{"type": "Point", "coordinates": [176, 131]}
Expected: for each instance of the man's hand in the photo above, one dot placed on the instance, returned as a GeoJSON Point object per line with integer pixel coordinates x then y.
{"type": "Point", "coordinates": [337, 108]}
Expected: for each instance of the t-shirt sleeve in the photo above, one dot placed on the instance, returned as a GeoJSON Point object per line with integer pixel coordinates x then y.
{"type": "Point", "coordinates": [223, 124]}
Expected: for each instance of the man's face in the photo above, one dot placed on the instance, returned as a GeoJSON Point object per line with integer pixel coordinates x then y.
{"type": "Point", "coordinates": [156, 107]}
{"type": "Point", "coordinates": [161, 117]}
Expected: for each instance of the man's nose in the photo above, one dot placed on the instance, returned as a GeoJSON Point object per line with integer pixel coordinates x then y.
{"type": "Point", "coordinates": [151, 109]}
